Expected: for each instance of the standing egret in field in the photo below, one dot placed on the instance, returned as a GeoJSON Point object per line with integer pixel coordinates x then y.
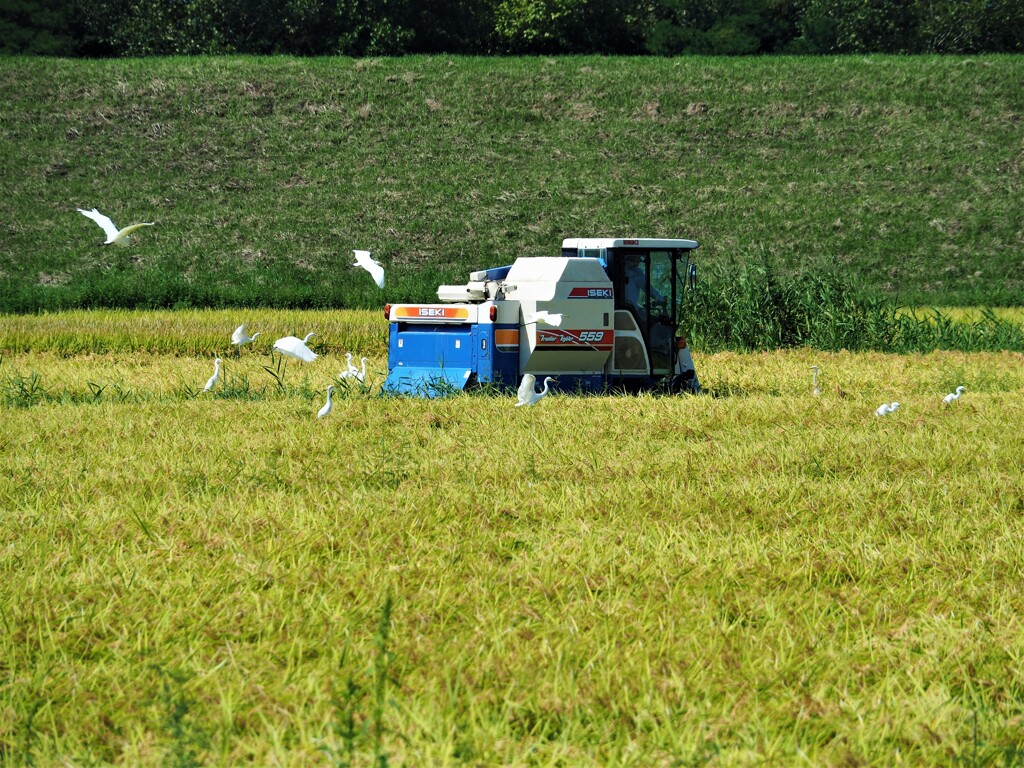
{"type": "Point", "coordinates": [817, 390]}
{"type": "Point", "coordinates": [353, 372]}
{"type": "Point", "coordinates": [953, 396]}
{"type": "Point", "coordinates": [545, 317]}
{"type": "Point", "coordinates": [241, 336]}
{"type": "Point", "coordinates": [361, 374]}
{"type": "Point", "coordinates": [885, 408]}
{"type": "Point", "coordinates": [527, 395]}
{"type": "Point", "coordinates": [293, 347]}
{"type": "Point", "coordinates": [115, 236]}
{"type": "Point", "coordinates": [212, 382]}
{"type": "Point", "coordinates": [350, 370]}
{"type": "Point", "coordinates": [374, 267]}
{"type": "Point", "coordinates": [326, 410]}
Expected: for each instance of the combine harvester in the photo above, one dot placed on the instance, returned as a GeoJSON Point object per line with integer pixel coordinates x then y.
{"type": "Point", "coordinates": [603, 316]}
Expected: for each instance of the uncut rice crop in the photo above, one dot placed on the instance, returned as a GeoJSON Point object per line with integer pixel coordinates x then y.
{"type": "Point", "coordinates": [189, 332]}
{"type": "Point", "coordinates": [754, 574]}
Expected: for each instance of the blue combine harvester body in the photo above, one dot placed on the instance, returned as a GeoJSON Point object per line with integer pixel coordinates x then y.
{"type": "Point", "coordinates": [602, 316]}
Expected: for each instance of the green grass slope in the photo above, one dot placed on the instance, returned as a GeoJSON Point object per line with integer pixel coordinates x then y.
{"type": "Point", "coordinates": [263, 174]}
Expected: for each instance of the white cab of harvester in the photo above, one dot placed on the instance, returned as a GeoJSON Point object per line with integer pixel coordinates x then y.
{"type": "Point", "coordinates": [577, 289]}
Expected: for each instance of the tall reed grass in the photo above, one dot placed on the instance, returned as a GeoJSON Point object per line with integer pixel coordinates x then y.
{"type": "Point", "coordinates": [753, 307]}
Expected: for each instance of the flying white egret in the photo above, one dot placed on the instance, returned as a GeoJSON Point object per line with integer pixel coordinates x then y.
{"type": "Point", "coordinates": [212, 382]}
{"type": "Point", "coordinates": [326, 410]}
{"type": "Point", "coordinates": [115, 236]}
{"type": "Point", "coordinates": [885, 408]}
{"type": "Point", "coordinates": [817, 390]}
{"type": "Point", "coordinates": [241, 336]}
{"type": "Point", "coordinates": [527, 395]}
{"type": "Point", "coordinates": [545, 317]}
{"type": "Point", "coordinates": [293, 347]}
{"type": "Point", "coordinates": [372, 266]}
{"type": "Point", "coordinates": [953, 396]}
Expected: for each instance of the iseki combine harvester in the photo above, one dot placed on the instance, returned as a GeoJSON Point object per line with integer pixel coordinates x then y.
{"type": "Point", "coordinates": [603, 316]}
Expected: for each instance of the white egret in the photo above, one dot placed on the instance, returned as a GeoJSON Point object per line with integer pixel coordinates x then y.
{"type": "Point", "coordinates": [527, 395]}
{"type": "Point", "coordinates": [350, 370]}
{"type": "Point", "coordinates": [241, 336]}
{"type": "Point", "coordinates": [545, 317]}
{"type": "Point", "coordinates": [361, 375]}
{"type": "Point", "coordinates": [817, 390]}
{"type": "Point", "coordinates": [212, 382]}
{"type": "Point", "coordinates": [115, 236]}
{"type": "Point", "coordinates": [293, 347]}
{"type": "Point", "coordinates": [374, 267]}
{"type": "Point", "coordinates": [885, 408]}
{"type": "Point", "coordinates": [326, 410]}
{"type": "Point", "coordinates": [953, 396]}
{"type": "Point", "coordinates": [353, 372]}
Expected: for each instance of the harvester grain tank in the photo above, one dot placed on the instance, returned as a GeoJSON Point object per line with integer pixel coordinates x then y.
{"type": "Point", "coordinates": [602, 316]}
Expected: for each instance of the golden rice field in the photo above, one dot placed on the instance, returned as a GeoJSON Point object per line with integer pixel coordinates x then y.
{"type": "Point", "coordinates": [753, 576]}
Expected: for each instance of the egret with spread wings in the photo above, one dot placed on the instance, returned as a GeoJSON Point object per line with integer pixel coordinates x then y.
{"type": "Point", "coordinates": [115, 236]}
{"type": "Point", "coordinates": [527, 394]}
{"type": "Point", "coordinates": [372, 266]}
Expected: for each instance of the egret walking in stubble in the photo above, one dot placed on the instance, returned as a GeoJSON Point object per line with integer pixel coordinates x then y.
{"type": "Point", "coordinates": [953, 396]}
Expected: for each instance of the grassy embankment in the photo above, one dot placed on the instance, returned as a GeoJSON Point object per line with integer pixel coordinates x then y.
{"type": "Point", "coordinates": [902, 173]}
{"type": "Point", "coordinates": [758, 576]}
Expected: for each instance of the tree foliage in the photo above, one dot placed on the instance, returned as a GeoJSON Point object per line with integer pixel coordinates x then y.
{"type": "Point", "coordinates": [44, 27]}
{"type": "Point", "coordinates": [568, 26]}
{"type": "Point", "coordinates": [722, 27]}
{"type": "Point", "coordinates": [395, 27]}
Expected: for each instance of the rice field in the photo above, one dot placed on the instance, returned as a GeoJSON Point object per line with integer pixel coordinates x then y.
{"type": "Point", "coordinates": [753, 575]}
{"type": "Point", "coordinates": [192, 333]}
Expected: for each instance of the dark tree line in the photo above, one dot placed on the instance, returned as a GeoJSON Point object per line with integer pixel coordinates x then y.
{"type": "Point", "coordinates": [393, 27]}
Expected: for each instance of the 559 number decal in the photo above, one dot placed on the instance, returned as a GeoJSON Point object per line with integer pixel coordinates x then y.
{"type": "Point", "coordinates": [583, 340]}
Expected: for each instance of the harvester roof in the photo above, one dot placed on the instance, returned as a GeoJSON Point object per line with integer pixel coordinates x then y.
{"type": "Point", "coordinates": [626, 242]}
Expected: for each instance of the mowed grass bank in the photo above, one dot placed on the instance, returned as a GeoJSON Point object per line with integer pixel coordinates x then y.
{"type": "Point", "coordinates": [759, 575]}
{"type": "Point", "coordinates": [263, 173]}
